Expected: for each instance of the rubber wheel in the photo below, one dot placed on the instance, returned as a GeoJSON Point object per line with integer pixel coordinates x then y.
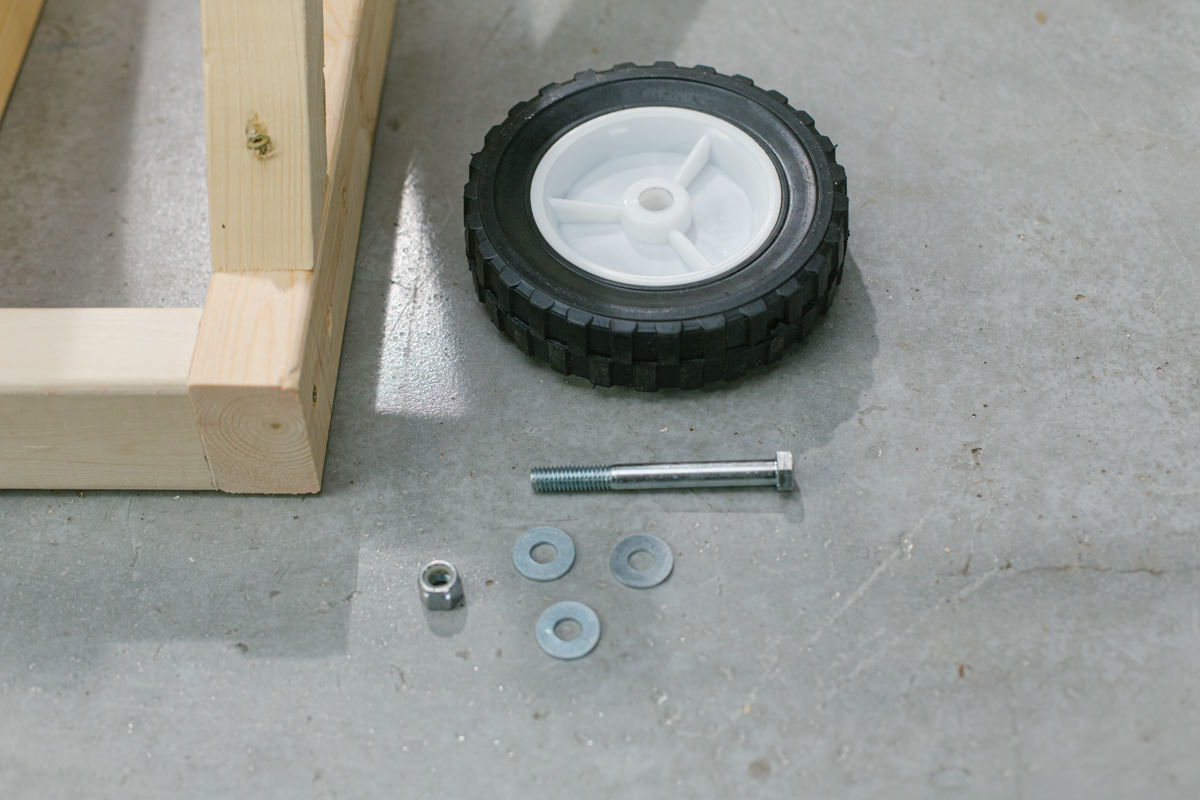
{"type": "Point", "coordinates": [582, 321]}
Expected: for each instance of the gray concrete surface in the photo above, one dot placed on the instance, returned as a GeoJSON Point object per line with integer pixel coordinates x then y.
{"type": "Point", "coordinates": [987, 586]}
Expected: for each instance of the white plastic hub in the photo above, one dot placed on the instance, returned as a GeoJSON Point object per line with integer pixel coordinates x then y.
{"type": "Point", "coordinates": [656, 196]}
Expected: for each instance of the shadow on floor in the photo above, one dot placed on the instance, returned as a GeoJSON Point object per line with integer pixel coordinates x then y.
{"type": "Point", "coordinates": [421, 361]}
{"type": "Point", "coordinates": [265, 581]}
{"type": "Point", "coordinates": [65, 149]}
{"type": "Point", "coordinates": [425, 379]}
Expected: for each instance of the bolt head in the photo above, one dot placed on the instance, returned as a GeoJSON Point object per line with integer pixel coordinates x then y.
{"type": "Point", "coordinates": [441, 588]}
{"type": "Point", "coordinates": [785, 479]}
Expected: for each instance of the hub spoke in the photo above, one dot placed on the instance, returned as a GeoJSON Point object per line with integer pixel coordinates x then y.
{"type": "Point", "coordinates": [697, 184]}
{"type": "Point", "coordinates": [686, 250]}
{"type": "Point", "coordinates": [694, 162]}
{"type": "Point", "coordinates": [580, 211]}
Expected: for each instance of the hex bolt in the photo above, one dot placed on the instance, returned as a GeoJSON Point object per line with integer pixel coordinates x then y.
{"type": "Point", "coordinates": [684, 475]}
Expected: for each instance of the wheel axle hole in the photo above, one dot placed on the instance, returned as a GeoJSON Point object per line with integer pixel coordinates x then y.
{"type": "Point", "coordinates": [438, 576]}
{"type": "Point", "coordinates": [641, 560]}
{"type": "Point", "coordinates": [543, 553]}
{"type": "Point", "coordinates": [567, 629]}
{"type": "Point", "coordinates": [655, 199]}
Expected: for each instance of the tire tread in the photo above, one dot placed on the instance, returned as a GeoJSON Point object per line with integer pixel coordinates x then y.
{"type": "Point", "coordinates": [649, 356]}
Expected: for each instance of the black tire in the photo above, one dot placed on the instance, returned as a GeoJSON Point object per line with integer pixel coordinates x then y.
{"type": "Point", "coordinates": [652, 338]}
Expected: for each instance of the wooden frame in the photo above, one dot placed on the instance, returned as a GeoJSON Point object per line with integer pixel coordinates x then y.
{"type": "Point", "coordinates": [236, 396]}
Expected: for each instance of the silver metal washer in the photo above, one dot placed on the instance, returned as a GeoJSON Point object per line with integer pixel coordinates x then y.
{"type": "Point", "coordinates": [555, 568]}
{"type": "Point", "coordinates": [581, 645]}
{"type": "Point", "coordinates": [623, 571]}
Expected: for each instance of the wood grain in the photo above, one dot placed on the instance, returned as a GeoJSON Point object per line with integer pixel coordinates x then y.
{"type": "Point", "coordinates": [17, 21]}
{"type": "Point", "coordinates": [96, 398]}
{"type": "Point", "coordinates": [264, 122]}
{"type": "Point", "coordinates": [265, 366]}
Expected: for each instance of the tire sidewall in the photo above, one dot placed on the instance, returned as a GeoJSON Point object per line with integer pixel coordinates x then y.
{"type": "Point", "coordinates": [514, 149]}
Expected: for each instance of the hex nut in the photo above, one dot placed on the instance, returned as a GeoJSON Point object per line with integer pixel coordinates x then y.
{"type": "Point", "coordinates": [441, 588]}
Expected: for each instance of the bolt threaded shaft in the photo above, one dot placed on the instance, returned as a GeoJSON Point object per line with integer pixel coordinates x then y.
{"type": "Point", "coordinates": [571, 479]}
{"type": "Point", "coordinates": [679, 475]}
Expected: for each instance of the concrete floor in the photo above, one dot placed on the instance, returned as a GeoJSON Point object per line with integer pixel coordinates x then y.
{"type": "Point", "coordinates": [987, 584]}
